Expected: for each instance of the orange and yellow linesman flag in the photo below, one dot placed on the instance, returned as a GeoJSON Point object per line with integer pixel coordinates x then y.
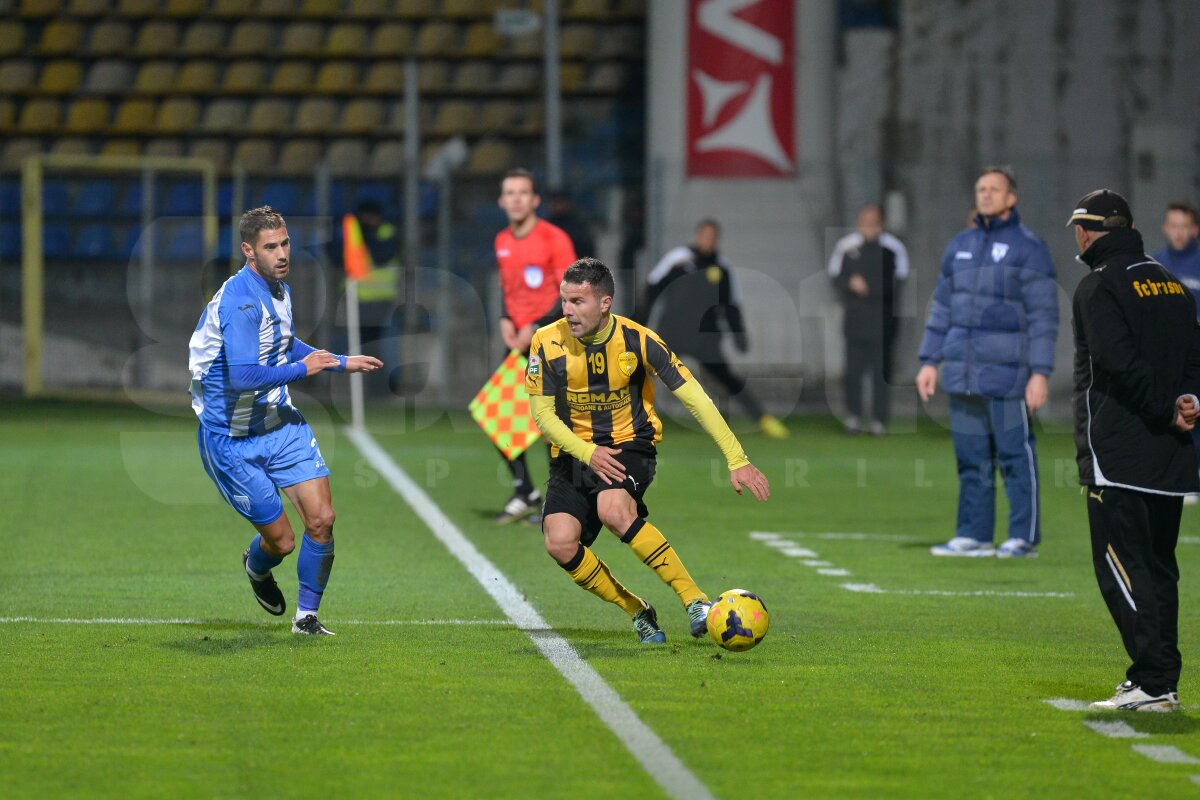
{"type": "Point", "coordinates": [354, 249]}
{"type": "Point", "coordinates": [502, 408]}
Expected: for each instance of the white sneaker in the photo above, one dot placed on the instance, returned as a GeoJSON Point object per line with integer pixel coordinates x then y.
{"type": "Point", "coordinates": [1191, 499]}
{"type": "Point", "coordinates": [1016, 548]}
{"type": "Point", "coordinates": [518, 507]}
{"type": "Point", "coordinates": [963, 546]}
{"type": "Point", "coordinates": [1130, 697]}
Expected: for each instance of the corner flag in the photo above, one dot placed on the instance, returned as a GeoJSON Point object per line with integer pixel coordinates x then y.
{"type": "Point", "coordinates": [354, 249]}
{"type": "Point", "coordinates": [501, 408]}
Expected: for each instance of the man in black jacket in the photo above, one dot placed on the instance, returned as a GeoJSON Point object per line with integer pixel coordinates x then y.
{"type": "Point", "coordinates": [1137, 371]}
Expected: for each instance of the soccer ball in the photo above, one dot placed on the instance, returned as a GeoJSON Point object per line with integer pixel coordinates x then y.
{"type": "Point", "coordinates": [738, 620]}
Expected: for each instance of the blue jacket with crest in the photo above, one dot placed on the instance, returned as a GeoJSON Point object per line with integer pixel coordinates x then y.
{"type": "Point", "coordinates": [994, 315]}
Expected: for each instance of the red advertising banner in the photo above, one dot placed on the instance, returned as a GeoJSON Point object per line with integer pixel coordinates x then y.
{"type": "Point", "coordinates": [741, 93]}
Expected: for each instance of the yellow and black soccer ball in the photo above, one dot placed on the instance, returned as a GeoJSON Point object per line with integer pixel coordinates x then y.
{"type": "Point", "coordinates": [738, 620]}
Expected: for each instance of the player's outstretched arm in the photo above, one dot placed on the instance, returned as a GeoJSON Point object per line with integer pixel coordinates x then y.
{"type": "Point", "coordinates": [362, 364]}
{"type": "Point", "coordinates": [749, 477]}
{"type": "Point", "coordinates": [318, 361]}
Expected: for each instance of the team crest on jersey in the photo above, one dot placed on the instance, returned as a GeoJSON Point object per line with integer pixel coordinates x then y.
{"type": "Point", "coordinates": [999, 250]}
{"type": "Point", "coordinates": [713, 274]}
{"type": "Point", "coordinates": [535, 367]}
{"type": "Point", "coordinates": [628, 362]}
{"type": "Point", "coordinates": [534, 276]}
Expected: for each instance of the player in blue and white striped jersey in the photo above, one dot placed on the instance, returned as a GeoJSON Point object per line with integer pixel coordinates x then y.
{"type": "Point", "coordinates": [253, 442]}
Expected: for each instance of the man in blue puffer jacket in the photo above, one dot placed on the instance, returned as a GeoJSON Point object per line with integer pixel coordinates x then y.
{"type": "Point", "coordinates": [992, 326]}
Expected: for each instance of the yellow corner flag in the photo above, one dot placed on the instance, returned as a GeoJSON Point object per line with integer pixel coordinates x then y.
{"type": "Point", "coordinates": [354, 249]}
{"type": "Point", "coordinates": [502, 408]}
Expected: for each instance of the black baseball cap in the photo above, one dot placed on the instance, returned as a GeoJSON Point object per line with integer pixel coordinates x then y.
{"type": "Point", "coordinates": [1101, 210]}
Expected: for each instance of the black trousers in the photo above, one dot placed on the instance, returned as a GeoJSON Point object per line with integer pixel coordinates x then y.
{"type": "Point", "coordinates": [869, 359]}
{"type": "Point", "coordinates": [1133, 551]}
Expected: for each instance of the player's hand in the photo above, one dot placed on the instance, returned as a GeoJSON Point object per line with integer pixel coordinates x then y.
{"type": "Point", "coordinates": [362, 364]}
{"type": "Point", "coordinates": [750, 478]}
{"type": "Point", "coordinates": [508, 332]}
{"type": "Point", "coordinates": [927, 378]}
{"type": "Point", "coordinates": [604, 463]}
{"type": "Point", "coordinates": [1186, 414]}
{"type": "Point", "coordinates": [858, 285]}
{"type": "Point", "coordinates": [319, 360]}
{"type": "Point", "coordinates": [523, 337]}
{"type": "Point", "coordinates": [1036, 392]}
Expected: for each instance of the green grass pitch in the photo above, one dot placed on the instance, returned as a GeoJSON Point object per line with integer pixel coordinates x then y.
{"type": "Point", "coordinates": [904, 692]}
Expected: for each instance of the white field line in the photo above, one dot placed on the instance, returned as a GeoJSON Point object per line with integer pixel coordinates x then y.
{"type": "Point", "coordinates": [870, 588]}
{"type": "Point", "coordinates": [656, 758]}
{"type": "Point", "coordinates": [836, 572]}
{"type": "Point", "coordinates": [185, 621]}
{"type": "Point", "coordinates": [1115, 729]}
{"type": "Point", "coordinates": [1165, 754]}
{"type": "Point", "coordinates": [1189, 539]}
{"type": "Point", "coordinates": [1067, 704]}
{"type": "Point", "coordinates": [767, 536]}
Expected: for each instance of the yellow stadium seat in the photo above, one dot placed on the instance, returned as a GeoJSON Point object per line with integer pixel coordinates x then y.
{"type": "Point", "coordinates": [229, 9]}
{"type": "Point", "coordinates": [322, 9]}
{"type": "Point", "coordinates": [250, 38]}
{"type": "Point", "coordinates": [437, 38]}
{"type": "Point", "coordinates": [570, 76]}
{"type": "Point", "coordinates": [256, 155]}
{"type": "Point", "coordinates": [12, 38]}
{"type": "Point", "coordinates": [597, 10]}
{"type": "Point", "coordinates": [17, 75]}
{"type": "Point", "coordinates": [397, 124]}
{"type": "Point", "coordinates": [298, 157]}
{"type": "Point", "coordinates": [155, 77]}
{"type": "Point", "coordinates": [134, 9]}
{"type": "Point", "coordinates": [533, 119]}
{"type": "Point", "coordinates": [456, 117]}
{"type": "Point", "coordinates": [481, 40]}
{"type": "Point", "coordinates": [197, 77]}
{"type": "Point", "coordinates": [490, 157]}
{"type": "Point", "coordinates": [578, 40]}
{"type": "Point", "coordinates": [186, 9]}
{"type": "Point", "coordinates": [225, 115]}
{"type": "Point", "coordinates": [631, 9]}
{"type": "Point", "coordinates": [370, 9]}
{"type": "Point", "coordinates": [60, 77]}
{"type": "Point", "coordinates": [392, 40]}
{"type": "Point", "coordinates": [347, 157]}
{"type": "Point", "coordinates": [270, 115]}
{"type": "Point", "coordinates": [337, 77]}
{"type": "Point", "coordinates": [61, 38]}
{"type": "Point", "coordinates": [415, 9]}
{"type": "Point", "coordinates": [16, 151]}
{"type": "Point", "coordinates": [362, 115]}
{"type": "Point", "coordinates": [384, 77]}
{"type": "Point", "coordinates": [177, 115]}
{"type": "Point", "coordinates": [498, 117]}
{"type": "Point", "coordinates": [164, 147]}
{"type": "Point", "coordinates": [159, 37]}
{"type": "Point", "coordinates": [121, 147]}
{"type": "Point", "coordinates": [8, 114]}
{"type": "Point", "coordinates": [276, 8]}
{"type": "Point", "coordinates": [87, 9]}
{"type": "Point", "coordinates": [518, 78]}
{"type": "Point", "coordinates": [433, 76]}
{"type": "Point", "coordinates": [292, 77]}
{"type": "Point", "coordinates": [302, 39]}
{"type": "Point", "coordinates": [89, 115]}
{"type": "Point", "coordinates": [135, 116]}
{"type": "Point", "coordinates": [465, 9]}
{"type": "Point", "coordinates": [203, 38]}
{"type": "Point", "coordinates": [529, 45]}
{"type": "Point", "coordinates": [39, 8]}
{"type": "Point", "coordinates": [71, 145]}
{"type": "Point", "coordinates": [40, 115]}
{"type": "Point", "coordinates": [387, 158]}
{"type": "Point", "coordinates": [109, 76]}
{"type": "Point", "coordinates": [607, 78]}
{"type": "Point", "coordinates": [110, 37]}
{"type": "Point", "coordinates": [315, 115]}
{"type": "Point", "coordinates": [621, 41]}
{"type": "Point", "coordinates": [347, 40]}
{"type": "Point", "coordinates": [473, 76]}
{"type": "Point", "coordinates": [215, 150]}
{"type": "Point", "coordinates": [244, 77]}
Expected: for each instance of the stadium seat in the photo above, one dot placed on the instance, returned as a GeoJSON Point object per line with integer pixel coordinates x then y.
{"type": "Point", "coordinates": [8, 114]}
{"type": "Point", "coordinates": [110, 37]}
{"type": "Point", "coordinates": [10, 198]}
{"type": "Point", "coordinates": [12, 38]}
{"type": "Point", "coordinates": [630, 9]}
{"type": "Point", "coordinates": [362, 116]}
{"type": "Point", "coordinates": [229, 9]}
{"type": "Point", "coordinates": [164, 146]}
{"type": "Point", "coordinates": [89, 115]}
{"type": "Point", "coordinates": [397, 124]}
{"type": "Point", "coordinates": [56, 241]}
{"type": "Point", "coordinates": [622, 41]}
{"type": "Point", "coordinates": [473, 77]}
{"type": "Point", "coordinates": [70, 145]}
{"type": "Point", "coordinates": [347, 156]}
{"type": "Point", "coordinates": [391, 40]}
{"type": "Point", "coordinates": [437, 38]}
{"type": "Point", "coordinates": [177, 115]}
{"type": "Point", "coordinates": [370, 9]}
{"type": "Point", "coordinates": [578, 40]}
{"type": "Point", "coordinates": [56, 197]}
{"type": "Point", "coordinates": [95, 198]}
{"type": "Point", "coordinates": [384, 77]}
{"type": "Point", "coordinates": [246, 76]}
{"type": "Point", "coordinates": [415, 9]}
{"type": "Point", "coordinates": [183, 198]}
{"type": "Point", "coordinates": [498, 117]}
{"type": "Point", "coordinates": [597, 10]}
{"type": "Point", "coordinates": [108, 76]}
{"type": "Point", "coordinates": [16, 151]}
{"type": "Point", "coordinates": [321, 9]}
{"type": "Point", "coordinates": [337, 77]}
{"type": "Point", "coordinates": [203, 38]}
{"type": "Point", "coordinates": [250, 38]}
{"type": "Point", "coordinates": [387, 158]}
{"type": "Point", "coordinates": [40, 115]}
{"type": "Point", "coordinates": [347, 40]}
{"type": "Point", "coordinates": [16, 75]}
{"type": "Point", "coordinates": [134, 116]}
{"type": "Point", "coordinates": [607, 78]}
{"type": "Point", "coordinates": [518, 78]}
{"type": "Point", "coordinates": [224, 116]}
{"type": "Point", "coordinates": [301, 39]}
{"type": "Point", "coordinates": [285, 196]}
{"type": "Point", "coordinates": [121, 147]}
{"type": "Point", "coordinates": [490, 157]}
{"type": "Point", "coordinates": [315, 115]}
{"type": "Point", "coordinates": [481, 40]}
{"type": "Point", "coordinates": [570, 76]}
{"type": "Point", "coordinates": [158, 37]}
{"type": "Point", "coordinates": [292, 77]}
{"type": "Point", "coordinates": [95, 241]}
{"type": "Point", "coordinates": [433, 76]}
{"type": "Point", "coordinates": [61, 38]}
{"type": "Point", "coordinates": [215, 150]}
{"type": "Point", "coordinates": [10, 240]}
{"type": "Point", "coordinates": [276, 9]}
{"type": "Point", "coordinates": [60, 77]}
{"type": "Point", "coordinates": [465, 9]}
{"type": "Point", "coordinates": [456, 117]}
{"type": "Point", "coordinates": [155, 77]}
{"type": "Point", "coordinates": [184, 242]}
{"type": "Point", "coordinates": [299, 157]}
{"type": "Point", "coordinates": [256, 155]}
{"type": "Point", "coordinates": [197, 77]}
{"type": "Point", "coordinates": [138, 9]}
{"type": "Point", "coordinates": [185, 9]}
{"type": "Point", "coordinates": [39, 8]}
{"type": "Point", "coordinates": [529, 45]}
{"type": "Point", "coordinates": [270, 115]}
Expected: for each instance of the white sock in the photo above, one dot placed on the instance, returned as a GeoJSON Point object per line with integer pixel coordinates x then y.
{"type": "Point", "coordinates": [301, 613]}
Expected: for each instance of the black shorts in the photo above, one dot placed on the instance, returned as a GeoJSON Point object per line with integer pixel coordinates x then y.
{"type": "Point", "coordinates": [573, 487]}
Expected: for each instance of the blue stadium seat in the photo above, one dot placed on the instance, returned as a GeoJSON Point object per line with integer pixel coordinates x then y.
{"type": "Point", "coordinates": [55, 198]}
{"type": "Point", "coordinates": [10, 241]}
{"type": "Point", "coordinates": [283, 196]}
{"type": "Point", "coordinates": [224, 245]}
{"type": "Point", "coordinates": [96, 241]}
{"type": "Point", "coordinates": [225, 199]}
{"type": "Point", "coordinates": [184, 199]}
{"type": "Point", "coordinates": [131, 202]}
{"type": "Point", "coordinates": [129, 240]}
{"type": "Point", "coordinates": [184, 242]}
{"type": "Point", "coordinates": [56, 241]}
{"type": "Point", "coordinates": [378, 191]}
{"type": "Point", "coordinates": [96, 199]}
{"type": "Point", "coordinates": [10, 199]}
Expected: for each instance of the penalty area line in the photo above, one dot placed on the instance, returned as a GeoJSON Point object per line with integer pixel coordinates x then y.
{"type": "Point", "coordinates": [654, 755]}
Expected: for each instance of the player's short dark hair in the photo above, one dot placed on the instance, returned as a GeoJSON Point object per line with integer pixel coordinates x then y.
{"type": "Point", "coordinates": [1185, 207]}
{"type": "Point", "coordinates": [520, 172]}
{"type": "Point", "coordinates": [1000, 169]}
{"type": "Point", "coordinates": [708, 222]}
{"type": "Point", "coordinates": [593, 272]}
{"type": "Point", "coordinates": [259, 219]}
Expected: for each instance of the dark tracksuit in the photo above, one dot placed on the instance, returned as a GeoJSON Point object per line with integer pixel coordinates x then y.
{"type": "Point", "coordinates": [1137, 349]}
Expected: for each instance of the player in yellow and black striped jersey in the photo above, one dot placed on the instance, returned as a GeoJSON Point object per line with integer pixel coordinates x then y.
{"type": "Point", "coordinates": [591, 393]}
